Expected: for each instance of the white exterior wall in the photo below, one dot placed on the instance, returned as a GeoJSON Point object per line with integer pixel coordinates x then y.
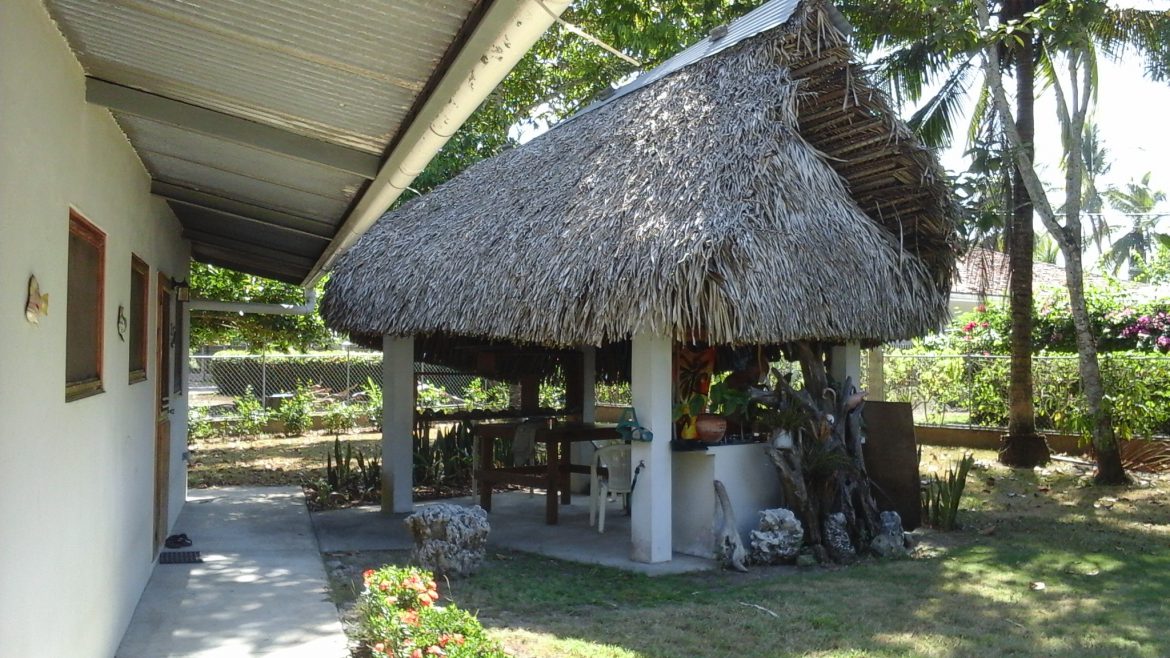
{"type": "Point", "coordinates": [76, 478]}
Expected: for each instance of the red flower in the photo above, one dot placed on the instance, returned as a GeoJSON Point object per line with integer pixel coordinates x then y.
{"type": "Point", "coordinates": [417, 653]}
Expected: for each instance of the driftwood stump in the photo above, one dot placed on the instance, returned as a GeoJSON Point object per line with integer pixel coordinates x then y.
{"type": "Point", "coordinates": [728, 544]}
{"type": "Point", "coordinates": [822, 472]}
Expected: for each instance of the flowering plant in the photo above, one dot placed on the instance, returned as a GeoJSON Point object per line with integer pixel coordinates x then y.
{"type": "Point", "coordinates": [398, 618]}
{"type": "Point", "coordinates": [1150, 331]}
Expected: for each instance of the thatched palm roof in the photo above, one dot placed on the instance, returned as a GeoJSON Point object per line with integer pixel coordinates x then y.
{"type": "Point", "coordinates": [759, 195]}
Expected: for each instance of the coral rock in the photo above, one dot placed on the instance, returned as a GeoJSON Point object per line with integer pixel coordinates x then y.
{"type": "Point", "coordinates": [449, 539]}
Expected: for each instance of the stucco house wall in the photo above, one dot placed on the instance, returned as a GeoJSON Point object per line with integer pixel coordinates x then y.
{"type": "Point", "coordinates": [76, 478]}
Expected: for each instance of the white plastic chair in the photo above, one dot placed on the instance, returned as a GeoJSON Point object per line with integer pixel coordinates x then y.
{"type": "Point", "coordinates": [616, 460]}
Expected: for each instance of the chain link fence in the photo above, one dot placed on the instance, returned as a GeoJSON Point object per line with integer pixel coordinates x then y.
{"type": "Point", "coordinates": [971, 390]}
{"type": "Point", "coordinates": [217, 381]}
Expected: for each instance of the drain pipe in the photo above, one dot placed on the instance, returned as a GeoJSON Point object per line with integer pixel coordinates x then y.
{"type": "Point", "coordinates": [307, 308]}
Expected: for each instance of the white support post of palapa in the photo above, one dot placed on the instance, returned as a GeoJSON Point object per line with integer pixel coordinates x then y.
{"type": "Point", "coordinates": [650, 373]}
{"type": "Point", "coordinates": [582, 451]}
{"type": "Point", "coordinates": [397, 424]}
{"type": "Point", "coordinates": [876, 383]}
{"type": "Point", "coordinates": [845, 361]}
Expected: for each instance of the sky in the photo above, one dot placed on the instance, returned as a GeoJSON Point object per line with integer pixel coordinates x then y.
{"type": "Point", "coordinates": [1133, 119]}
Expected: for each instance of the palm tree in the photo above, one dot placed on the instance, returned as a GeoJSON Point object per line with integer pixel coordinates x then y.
{"type": "Point", "coordinates": [1137, 202]}
{"type": "Point", "coordinates": [930, 42]}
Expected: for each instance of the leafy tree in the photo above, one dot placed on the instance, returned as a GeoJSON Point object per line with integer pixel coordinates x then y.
{"type": "Point", "coordinates": [1073, 34]}
{"type": "Point", "coordinates": [257, 332]}
{"type": "Point", "coordinates": [1138, 202]}
{"type": "Point", "coordinates": [930, 41]}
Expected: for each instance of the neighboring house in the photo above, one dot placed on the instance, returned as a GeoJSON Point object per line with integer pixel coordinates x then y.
{"type": "Point", "coordinates": [982, 278]}
{"type": "Point", "coordinates": [133, 137]}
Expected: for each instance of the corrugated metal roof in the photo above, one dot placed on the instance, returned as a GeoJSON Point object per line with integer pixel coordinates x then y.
{"type": "Point", "coordinates": [339, 71]}
{"type": "Point", "coordinates": [761, 19]}
{"type": "Point", "coordinates": [156, 141]}
{"type": "Point", "coordinates": [312, 94]}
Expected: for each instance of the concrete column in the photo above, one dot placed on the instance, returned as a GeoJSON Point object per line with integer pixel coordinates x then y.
{"type": "Point", "coordinates": [877, 373]}
{"type": "Point", "coordinates": [845, 361]}
{"type": "Point", "coordinates": [582, 451]}
{"type": "Point", "coordinates": [397, 424]}
{"type": "Point", "coordinates": [650, 369]}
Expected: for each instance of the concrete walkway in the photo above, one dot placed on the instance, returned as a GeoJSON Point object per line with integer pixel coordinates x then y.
{"type": "Point", "coordinates": [260, 591]}
{"type": "Point", "coordinates": [517, 521]}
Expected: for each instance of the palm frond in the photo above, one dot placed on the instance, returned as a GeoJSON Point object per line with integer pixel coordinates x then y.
{"type": "Point", "coordinates": [933, 122]}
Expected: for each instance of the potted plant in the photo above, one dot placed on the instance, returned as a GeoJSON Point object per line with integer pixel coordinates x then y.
{"type": "Point", "coordinates": [781, 425]}
{"type": "Point", "coordinates": [695, 423]}
{"type": "Point", "coordinates": [731, 404]}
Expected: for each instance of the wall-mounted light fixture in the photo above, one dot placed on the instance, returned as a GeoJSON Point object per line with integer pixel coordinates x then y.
{"type": "Point", "coordinates": [182, 290]}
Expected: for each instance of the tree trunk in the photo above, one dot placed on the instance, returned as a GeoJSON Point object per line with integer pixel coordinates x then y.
{"type": "Point", "coordinates": [1105, 444]}
{"type": "Point", "coordinates": [1022, 446]}
{"type": "Point", "coordinates": [1071, 111]}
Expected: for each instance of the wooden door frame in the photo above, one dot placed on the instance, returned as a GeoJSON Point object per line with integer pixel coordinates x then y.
{"type": "Point", "coordinates": [164, 313]}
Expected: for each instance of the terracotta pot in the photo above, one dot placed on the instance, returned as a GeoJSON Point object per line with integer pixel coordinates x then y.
{"type": "Point", "coordinates": [711, 427]}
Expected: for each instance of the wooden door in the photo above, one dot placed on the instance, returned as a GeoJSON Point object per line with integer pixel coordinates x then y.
{"type": "Point", "coordinates": [162, 429]}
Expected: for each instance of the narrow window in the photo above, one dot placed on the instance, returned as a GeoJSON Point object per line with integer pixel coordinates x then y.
{"type": "Point", "coordinates": [83, 308]}
{"type": "Point", "coordinates": [139, 291]}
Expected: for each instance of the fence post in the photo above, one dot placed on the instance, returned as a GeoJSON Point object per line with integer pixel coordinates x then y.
{"type": "Point", "coordinates": [348, 361]}
{"type": "Point", "coordinates": [969, 369]}
{"type": "Point", "coordinates": [264, 380]}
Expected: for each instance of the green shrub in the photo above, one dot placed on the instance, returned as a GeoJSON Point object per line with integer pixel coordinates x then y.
{"type": "Point", "coordinates": [397, 616]}
{"type": "Point", "coordinates": [340, 417]}
{"type": "Point", "coordinates": [484, 394]}
{"type": "Point", "coordinates": [447, 460]}
{"type": "Point", "coordinates": [373, 395]}
{"type": "Point", "coordinates": [296, 412]}
{"type": "Point", "coordinates": [199, 425]}
{"type": "Point", "coordinates": [941, 496]}
{"type": "Point", "coordinates": [251, 416]}
{"type": "Point", "coordinates": [615, 394]}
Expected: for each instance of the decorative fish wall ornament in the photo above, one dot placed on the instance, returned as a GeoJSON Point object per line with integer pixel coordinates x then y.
{"type": "Point", "coordinates": [38, 304]}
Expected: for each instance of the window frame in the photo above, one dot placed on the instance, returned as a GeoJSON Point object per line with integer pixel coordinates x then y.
{"type": "Point", "coordinates": [139, 325]}
{"type": "Point", "coordinates": [87, 231]}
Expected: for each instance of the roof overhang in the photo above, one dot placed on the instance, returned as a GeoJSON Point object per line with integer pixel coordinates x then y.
{"type": "Point", "coordinates": [279, 134]}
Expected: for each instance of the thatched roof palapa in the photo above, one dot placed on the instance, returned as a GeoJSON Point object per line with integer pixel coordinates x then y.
{"type": "Point", "coordinates": [758, 195]}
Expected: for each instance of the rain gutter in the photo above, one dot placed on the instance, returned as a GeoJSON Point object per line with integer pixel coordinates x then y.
{"type": "Point", "coordinates": [504, 35]}
{"type": "Point", "coordinates": [307, 308]}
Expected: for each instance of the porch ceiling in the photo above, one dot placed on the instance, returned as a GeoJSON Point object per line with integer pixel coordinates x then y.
{"type": "Point", "coordinates": [263, 123]}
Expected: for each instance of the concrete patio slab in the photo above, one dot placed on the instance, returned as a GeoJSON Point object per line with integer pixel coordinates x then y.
{"type": "Point", "coordinates": [261, 590]}
{"type": "Point", "coordinates": [517, 520]}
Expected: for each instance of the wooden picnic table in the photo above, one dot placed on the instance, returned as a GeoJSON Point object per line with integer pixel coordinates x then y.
{"type": "Point", "coordinates": [553, 476]}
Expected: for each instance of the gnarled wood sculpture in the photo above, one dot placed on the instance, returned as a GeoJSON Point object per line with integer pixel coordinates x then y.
{"type": "Point", "coordinates": [823, 472]}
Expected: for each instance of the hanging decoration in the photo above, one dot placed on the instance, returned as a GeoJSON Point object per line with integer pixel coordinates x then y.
{"type": "Point", "coordinates": [37, 305]}
{"type": "Point", "coordinates": [123, 323]}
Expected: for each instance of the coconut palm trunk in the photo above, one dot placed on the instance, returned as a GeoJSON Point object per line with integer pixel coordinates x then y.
{"type": "Point", "coordinates": [1022, 446]}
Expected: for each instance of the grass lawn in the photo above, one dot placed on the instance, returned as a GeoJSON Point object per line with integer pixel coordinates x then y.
{"type": "Point", "coordinates": [1044, 565]}
{"type": "Point", "coordinates": [267, 459]}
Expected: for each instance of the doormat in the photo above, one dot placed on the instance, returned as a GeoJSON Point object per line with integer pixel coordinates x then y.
{"type": "Point", "coordinates": [179, 557]}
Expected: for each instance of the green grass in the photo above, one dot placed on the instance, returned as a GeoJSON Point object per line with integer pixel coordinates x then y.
{"type": "Point", "coordinates": [1102, 554]}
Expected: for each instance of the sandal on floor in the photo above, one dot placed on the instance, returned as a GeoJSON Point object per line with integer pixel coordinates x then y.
{"type": "Point", "coordinates": [178, 541]}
